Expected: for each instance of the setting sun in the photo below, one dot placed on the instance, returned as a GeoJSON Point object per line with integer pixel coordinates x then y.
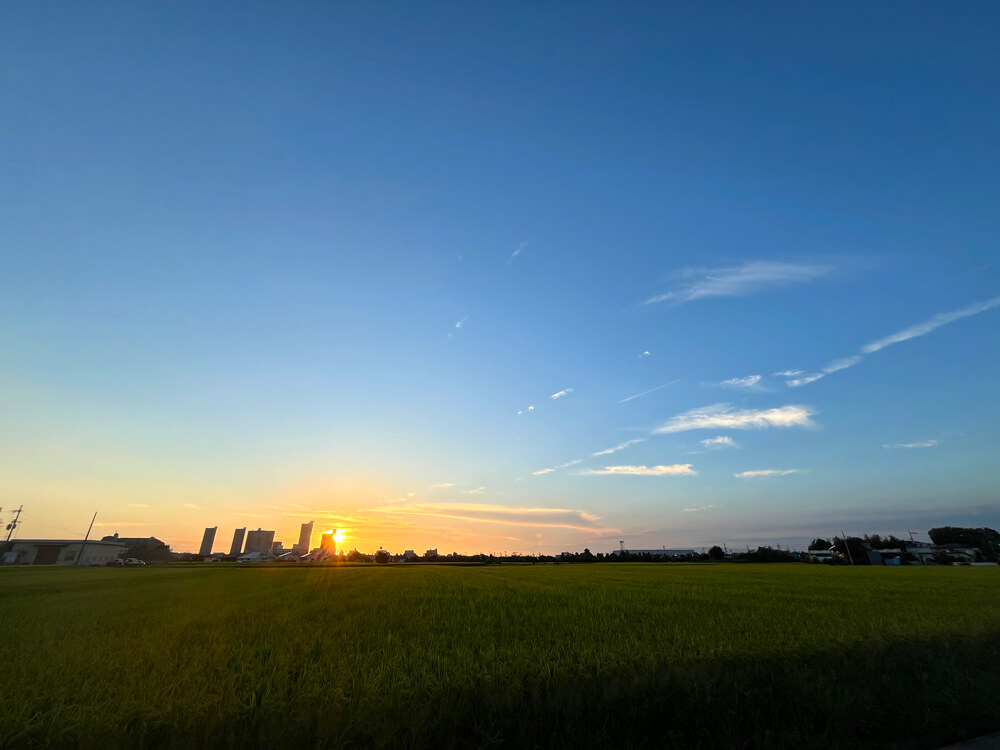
{"type": "Point", "coordinates": [337, 534]}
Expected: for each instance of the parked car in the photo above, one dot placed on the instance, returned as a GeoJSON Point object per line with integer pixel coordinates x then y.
{"type": "Point", "coordinates": [116, 563]}
{"type": "Point", "coordinates": [133, 561]}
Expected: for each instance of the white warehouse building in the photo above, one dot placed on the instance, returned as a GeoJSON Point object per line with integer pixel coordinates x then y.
{"type": "Point", "coordinates": [60, 552]}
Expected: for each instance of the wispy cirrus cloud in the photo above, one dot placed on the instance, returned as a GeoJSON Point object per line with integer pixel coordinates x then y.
{"type": "Point", "coordinates": [748, 382]}
{"type": "Point", "coordinates": [737, 281]}
{"type": "Point", "coordinates": [525, 411]}
{"type": "Point", "coordinates": [788, 373]}
{"type": "Point", "coordinates": [643, 355]}
{"type": "Point", "coordinates": [551, 469]}
{"type": "Point", "coordinates": [474, 491]}
{"type": "Point", "coordinates": [560, 394]}
{"type": "Point", "coordinates": [836, 366]}
{"type": "Point", "coordinates": [798, 378]}
{"type": "Point", "coordinates": [921, 329]}
{"type": "Point", "coordinates": [458, 326]}
{"type": "Point", "coordinates": [921, 444]}
{"type": "Point", "coordinates": [722, 441]}
{"type": "Point", "coordinates": [724, 416]}
{"type": "Point", "coordinates": [441, 486]}
{"type": "Point", "coordinates": [644, 471]}
{"type": "Point", "coordinates": [192, 506]}
{"type": "Point", "coordinates": [646, 393]}
{"type": "Point", "coordinates": [518, 251]}
{"type": "Point", "coordinates": [556, 518]}
{"type": "Point", "coordinates": [697, 509]}
{"type": "Point", "coordinates": [619, 447]}
{"type": "Point", "coordinates": [766, 473]}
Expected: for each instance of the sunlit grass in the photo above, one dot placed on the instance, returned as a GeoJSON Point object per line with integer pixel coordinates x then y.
{"type": "Point", "coordinates": [632, 655]}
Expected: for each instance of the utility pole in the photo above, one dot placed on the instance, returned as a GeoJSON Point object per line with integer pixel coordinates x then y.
{"type": "Point", "coordinates": [13, 524]}
{"type": "Point", "coordinates": [848, 545]}
{"type": "Point", "coordinates": [83, 546]}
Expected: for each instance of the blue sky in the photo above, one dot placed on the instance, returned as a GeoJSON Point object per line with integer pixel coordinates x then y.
{"type": "Point", "coordinates": [268, 264]}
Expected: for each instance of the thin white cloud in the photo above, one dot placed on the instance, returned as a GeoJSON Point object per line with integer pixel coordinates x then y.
{"type": "Point", "coordinates": [461, 323]}
{"type": "Point", "coordinates": [799, 382]}
{"type": "Point", "coordinates": [644, 471]}
{"type": "Point", "coordinates": [697, 509]}
{"type": "Point", "coordinates": [646, 393]}
{"type": "Point", "coordinates": [642, 355]}
{"type": "Point", "coordinates": [722, 441]}
{"type": "Point", "coordinates": [192, 506]}
{"type": "Point", "coordinates": [723, 416]}
{"type": "Point", "coordinates": [560, 394]}
{"type": "Point", "coordinates": [841, 364]}
{"type": "Point", "coordinates": [476, 491]}
{"type": "Point", "coordinates": [566, 465]}
{"type": "Point", "coordinates": [517, 252]}
{"type": "Point", "coordinates": [788, 373]}
{"type": "Point", "coordinates": [442, 486]}
{"type": "Point", "coordinates": [836, 366]}
{"type": "Point", "coordinates": [927, 326]}
{"type": "Point", "coordinates": [555, 518]}
{"type": "Point", "coordinates": [737, 281]}
{"type": "Point", "coordinates": [137, 505]}
{"type": "Point", "coordinates": [922, 444]}
{"type": "Point", "coordinates": [765, 473]}
{"type": "Point", "coordinates": [750, 381]}
{"type": "Point", "coordinates": [619, 447]}
{"type": "Point", "coordinates": [920, 329]}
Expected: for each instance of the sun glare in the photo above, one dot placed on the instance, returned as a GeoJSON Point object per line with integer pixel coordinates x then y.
{"type": "Point", "coordinates": [338, 536]}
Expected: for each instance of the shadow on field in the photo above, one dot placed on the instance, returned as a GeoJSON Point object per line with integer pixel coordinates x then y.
{"type": "Point", "coordinates": [903, 695]}
{"type": "Point", "coordinates": [914, 695]}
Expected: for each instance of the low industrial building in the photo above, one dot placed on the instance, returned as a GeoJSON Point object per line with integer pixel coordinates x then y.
{"type": "Point", "coordinates": [61, 552]}
{"type": "Point", "coordinates": [661, 552]}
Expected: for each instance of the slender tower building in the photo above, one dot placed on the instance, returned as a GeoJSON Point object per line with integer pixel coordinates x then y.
{"type": "Point", "coordinates": [237, 547]}
{"type": "Point", "coordinates": [305, 538]}
{"type": "Point", "coordinates": [207, 541]}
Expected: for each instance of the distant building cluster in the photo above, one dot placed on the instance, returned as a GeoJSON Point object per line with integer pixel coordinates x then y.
{"type": "Point", "coordinates": [948, 546]}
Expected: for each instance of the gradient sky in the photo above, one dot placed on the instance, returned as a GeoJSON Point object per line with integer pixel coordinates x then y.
{"type": "Point", "coordinates": [490, 277]}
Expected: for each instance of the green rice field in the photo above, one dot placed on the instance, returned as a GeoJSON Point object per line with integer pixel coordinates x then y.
{"type": "Point", "coordinates": [602, 655]}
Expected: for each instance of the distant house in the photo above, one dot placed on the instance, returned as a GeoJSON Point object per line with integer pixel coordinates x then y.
{"type": "Point", "coordinates": [61, 552]}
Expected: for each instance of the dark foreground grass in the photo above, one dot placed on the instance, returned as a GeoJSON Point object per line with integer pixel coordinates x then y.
{"type": "Point", "coordinates": [723, 656]}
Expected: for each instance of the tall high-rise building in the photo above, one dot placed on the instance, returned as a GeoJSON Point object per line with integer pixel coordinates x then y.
{"type": "Point", "coordinates": [328, 543]}
{"type": "Point", "coordinates": [237, 547]}
{"type": "Point", "coordinates": [259, 541]}
{"type": "Point", "coordinates": [207, 541]}
{"type": "Point", "coordinates": [305, 538]}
